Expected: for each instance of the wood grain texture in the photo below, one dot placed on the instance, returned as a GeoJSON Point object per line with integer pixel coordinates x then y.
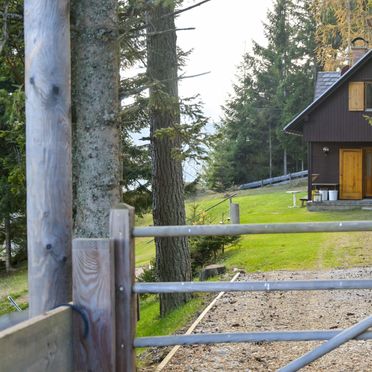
{"type": "Point", "coordinates": [332, 121]}
{"type": "Point", "coordinates": [351, 184]}
{"type": "Point", "coordinates": [367, 172]}
{"type": "Point", "coordinates": [48, 152]}
{"type": "Point", "coordinates": [93, 292]}
{"type": "Point", "coordinates": [121, 226]}
{"type": "Point", "coordinates": [356, 96]}
{"type": "Point", "coordinates": [43, 343]}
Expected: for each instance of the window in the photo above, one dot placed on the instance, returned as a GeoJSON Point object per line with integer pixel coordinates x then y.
{"type": "Point", "coordinates": [368, 96]}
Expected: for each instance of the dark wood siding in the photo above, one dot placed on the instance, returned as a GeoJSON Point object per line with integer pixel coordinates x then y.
{"type": "Point", "coordinates": [327, 166]}
{"type": "Point", "coordinates": [333, 122]}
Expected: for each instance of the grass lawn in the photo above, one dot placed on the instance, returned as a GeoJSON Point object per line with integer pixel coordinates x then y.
{"type": "Point", "coordinates": [252, 253]}
{"type": "Point", "coordinates": [14, 285]}
{"type": "Point", "coordinates": [279, 251]}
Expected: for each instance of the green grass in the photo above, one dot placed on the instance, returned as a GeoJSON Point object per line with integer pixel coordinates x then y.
{"type": "Point", "coordinates": [14, 285]}
{"type": "Point", "coordinates": [252, 253]}
{"type": "Point", "coordinates": [279, 251]}
{"type": "Point", "coordinates": [151, 324]}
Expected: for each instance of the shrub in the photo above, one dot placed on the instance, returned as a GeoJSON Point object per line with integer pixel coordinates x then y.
{"type": "Point", "coordinates": [205, 249]}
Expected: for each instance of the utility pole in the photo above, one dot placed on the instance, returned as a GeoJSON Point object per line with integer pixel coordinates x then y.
{"type": "Point", "coordinates": [48, 152]}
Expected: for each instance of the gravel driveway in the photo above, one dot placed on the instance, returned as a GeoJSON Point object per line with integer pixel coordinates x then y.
{"type": "Point", "coordinates": [244, 312]}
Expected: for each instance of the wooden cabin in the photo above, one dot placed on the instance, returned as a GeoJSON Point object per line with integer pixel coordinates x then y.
{"type": "Point", "coordinates": [338, 135]}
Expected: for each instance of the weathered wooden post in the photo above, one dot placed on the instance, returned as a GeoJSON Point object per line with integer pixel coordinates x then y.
{"type": "Point", "coordinates": [48, 152]}
{"type": "Point", "coordinates": [121, 226]}
{"type": "Point", "coordinates": [234, 212]}
{"type": "Point", "coordinates": [94, 295]}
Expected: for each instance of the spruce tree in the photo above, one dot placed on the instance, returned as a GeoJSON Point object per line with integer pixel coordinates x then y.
{"type": "Point", "coordinates": [275, 82]}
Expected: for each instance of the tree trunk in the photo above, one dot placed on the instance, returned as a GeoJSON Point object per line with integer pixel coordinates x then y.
{"type": "Point", "coordinates": [96, 135]}
{"type": "Point", "coordinates": [48, 152]}
{"type": "Point", "coordinates": [172, 254]}
{"type": "Point", "coordinates": [8, 245]}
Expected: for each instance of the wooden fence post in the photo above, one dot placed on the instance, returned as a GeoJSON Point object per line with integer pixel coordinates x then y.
{"type": "Point", "coordinates": [121, 227]}
{"type": "Point", "coordinates": [94, 295]}
{"type": "Point", "coordinates": [48, 152]}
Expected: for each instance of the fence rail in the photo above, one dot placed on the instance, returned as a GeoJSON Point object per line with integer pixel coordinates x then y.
{"type": "Point", "coordinates": [120, 308]}
{"type": "Point", "coordinates": [269, 181]}
{"type": "Point", "coordinates": [267, 286]}
{"type": "Point", "coordinates": [219, 338]}
{"type": "Point", "coordinates": [272, 228]}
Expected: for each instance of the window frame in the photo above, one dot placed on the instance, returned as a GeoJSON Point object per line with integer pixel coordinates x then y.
{"type": "Point", "coordinates": [367, 83]}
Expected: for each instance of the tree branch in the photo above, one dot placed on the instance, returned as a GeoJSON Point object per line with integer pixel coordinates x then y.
{"type": "Point", "coordinates": [11, 15]}
{"type": "Point", "coordinates": [5, 28]}
{"type": "Point", "coordinates": [123, 94]}
{"type": "Point", "coordinates": [181, 77]}
{"type": "Point", "coordinates": [171, 14]}
{"type": "Point", "coordinates": [171, 30]}
{"type": "Point", "coordinates": [185, 9]}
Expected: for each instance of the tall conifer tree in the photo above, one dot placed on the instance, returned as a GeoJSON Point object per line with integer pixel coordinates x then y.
{"type": "Point", "coordinates": [275, 82]}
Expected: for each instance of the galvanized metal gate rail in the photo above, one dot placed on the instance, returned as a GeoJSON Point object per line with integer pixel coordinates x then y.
{"type": "Point", "coordinates": [334, 337]}
{"type": "Point", "coordinates": [105, 288]}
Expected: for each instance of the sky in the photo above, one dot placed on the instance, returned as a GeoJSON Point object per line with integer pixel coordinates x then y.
{"type": "Point", "coordinates": [224, 32]}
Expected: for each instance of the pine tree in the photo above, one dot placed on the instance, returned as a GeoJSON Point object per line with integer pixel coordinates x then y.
{"type": "Point", "coordinates": [172, 254]}
{"type": "Point", "coordinates": [275, 83]}
{"type": "Point", "coordinates": [12, 132]}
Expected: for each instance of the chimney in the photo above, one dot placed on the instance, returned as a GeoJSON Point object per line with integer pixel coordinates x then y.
{"type": "Point", "coordinates": [359, 47]}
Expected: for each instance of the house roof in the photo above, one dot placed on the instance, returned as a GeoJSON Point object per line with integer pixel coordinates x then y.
{"type": "Point", "coordinates": [324, 80]}
{"type": "Point", "coordinates": [330, 84]}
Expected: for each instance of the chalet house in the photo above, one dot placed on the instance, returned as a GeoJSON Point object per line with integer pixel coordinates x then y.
{"type": "Point", "coordinates": [335, 127]}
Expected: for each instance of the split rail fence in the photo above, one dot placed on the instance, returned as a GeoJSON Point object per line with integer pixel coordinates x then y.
{"type": "Point", "coordinates": [98, 333]}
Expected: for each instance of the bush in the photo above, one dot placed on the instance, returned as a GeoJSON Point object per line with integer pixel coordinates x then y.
{"type": "Point", "coordinates": [149, 274]}
{"type": "Point", "coordinates": [205, 249]}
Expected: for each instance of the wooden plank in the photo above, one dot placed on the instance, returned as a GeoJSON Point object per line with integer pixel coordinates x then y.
{"type": "Point", "coordinates": [356, 96]}
{"type": "Point", "coordinates": [94, 293]}
{"type": "Point", "coordinates": [367, 172]}
{"type": "Point", "coordinates": [43, 343]}
{"type": "Point", "coordinates": [48, 152]}
{"type": "Point", "coordinates": [351, 174]}
{"type": "Point", "coordinates": [121, 232]}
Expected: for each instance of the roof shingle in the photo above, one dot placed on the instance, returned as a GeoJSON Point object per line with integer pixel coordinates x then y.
{"type": "Point", "coordinates": [324, 81]}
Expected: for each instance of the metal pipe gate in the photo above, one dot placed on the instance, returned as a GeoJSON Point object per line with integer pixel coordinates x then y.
{"type": "Point", "coordinates": [121, 243]}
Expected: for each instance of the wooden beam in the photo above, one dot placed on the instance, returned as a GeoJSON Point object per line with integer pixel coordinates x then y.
{"type": "Point", "coordinates": [48, 152]}
{"type": "Point", "coordinates": [121, 233]}
{"type": "Point", "coordinates": [43, 343]}
{"type": "Point", "coordinates": [94, 294]}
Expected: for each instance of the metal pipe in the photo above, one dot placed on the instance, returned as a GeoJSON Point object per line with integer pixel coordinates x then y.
{"type": "Point", "coordinates": [273, 228]}
{"type": "Point", "coordinates": [267, 286]}
{"type": "Point", "coordinates": [211, 338]}
{"type": "Point", "coordinates": [339, 339]}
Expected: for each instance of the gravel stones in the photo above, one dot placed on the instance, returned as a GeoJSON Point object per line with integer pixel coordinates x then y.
{"type": "Point", "coordinates": [260, 311]}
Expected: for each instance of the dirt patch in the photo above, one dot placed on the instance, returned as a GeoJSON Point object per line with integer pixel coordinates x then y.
{"type": "Point", "coordinates": [244, 312]}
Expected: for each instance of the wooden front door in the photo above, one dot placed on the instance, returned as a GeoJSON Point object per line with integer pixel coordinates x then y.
{"type": "Point", "coordinates": [368, 172]}
{"type": "Point", "coordinates": [351, 173]}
